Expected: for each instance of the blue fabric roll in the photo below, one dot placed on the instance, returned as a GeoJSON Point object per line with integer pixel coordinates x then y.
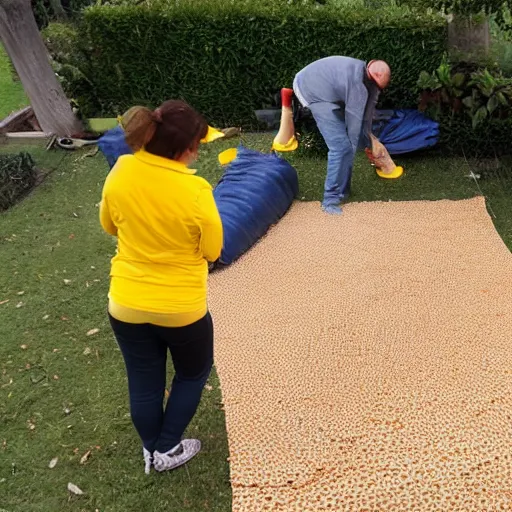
{"type": "Point", "coordinates": [255, 191]}
{"type": "Point", "coordinates": [405, 131]}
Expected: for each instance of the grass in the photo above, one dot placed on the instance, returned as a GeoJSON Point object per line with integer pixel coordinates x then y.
{"type": "Point", "coordinates": [55, 268]}
{"type": "Point", "coordinates": [12, 96]}
{"type": "Point", "coordinates": [56, 263]}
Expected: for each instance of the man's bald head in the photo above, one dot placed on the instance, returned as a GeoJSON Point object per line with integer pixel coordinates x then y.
{"type": "Point", "coordinates": [379, 72]}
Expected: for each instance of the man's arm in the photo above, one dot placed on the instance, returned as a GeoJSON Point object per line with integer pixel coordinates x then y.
{"type": "Point", "coordinates": [354, 112]}
{"type": "Point", "coordinates": [369, 114]}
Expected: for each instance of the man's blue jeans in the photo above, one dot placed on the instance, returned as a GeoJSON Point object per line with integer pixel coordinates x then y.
{"type": "Point", "coordinates": [330, 120]}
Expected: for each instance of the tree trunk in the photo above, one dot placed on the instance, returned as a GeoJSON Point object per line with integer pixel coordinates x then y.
{"type": "Point", "coordinates": [25, 47]}
{"type": "Point", "coordinates": [58, 9]}
{"type": "Point", "coordinates": [469, 38]}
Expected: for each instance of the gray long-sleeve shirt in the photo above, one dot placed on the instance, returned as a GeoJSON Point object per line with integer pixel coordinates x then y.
{"type": "Point", "coordinates": [341, 80]}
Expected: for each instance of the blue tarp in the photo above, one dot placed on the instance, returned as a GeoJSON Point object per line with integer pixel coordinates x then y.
{"type": "Point", "coordinates": [254, 192]}
{"type": "Point", "coordinates": [113, 145]}
{"type": "Point", "coordinates": [405, 131]}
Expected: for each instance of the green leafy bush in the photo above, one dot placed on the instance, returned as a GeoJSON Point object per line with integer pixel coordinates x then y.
{"type": "Point", "coordinates": [473, 106]}
{"type": "Point", "coordinates": [464, 7]}
{"type": "Point", "coordinates": [480, 93]}
{"type": "Point", "coordinates": [44, 12]}
{"type": "Point", "coordinates": [489, 139]}
{"type": "Point", "coordinates": [230, 58]}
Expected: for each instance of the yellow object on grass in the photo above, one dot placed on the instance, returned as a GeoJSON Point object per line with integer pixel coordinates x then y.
{"type": "Point", "coordinates": [397, 172]}
{"type": "Point", "coordinates": [227, 156]}
{"type": "Point", "coordinates": [213, 134]}
{"type": "Point", "coordinates": [291, 145]}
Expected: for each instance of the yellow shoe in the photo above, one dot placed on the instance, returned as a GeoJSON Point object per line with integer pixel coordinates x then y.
{"type": "Point", "coordinates": [227, 156]}
{"type": "Point", "coordinates": [212, 134]}
{"type": "Point", "coordinates": [291, 145]}
{"type": "Point", "coordinates": [397, 172]}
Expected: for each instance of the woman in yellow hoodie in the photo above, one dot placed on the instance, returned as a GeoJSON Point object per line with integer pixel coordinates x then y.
{"type": "Point", "coordinates": [168, 229]}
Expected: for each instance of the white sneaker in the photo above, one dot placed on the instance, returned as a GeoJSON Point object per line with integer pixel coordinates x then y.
{"type": "Point", "coordinates": [179, 455]}
{"type": "Point", "coordinates": [148, 460]}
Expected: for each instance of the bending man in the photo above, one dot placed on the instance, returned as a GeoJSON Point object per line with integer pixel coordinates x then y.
{"type": "Point", "coordinates": [341, 93]}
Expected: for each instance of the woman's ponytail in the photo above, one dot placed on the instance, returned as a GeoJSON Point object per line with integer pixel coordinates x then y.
{"type": "Point", "coordinates": [139, 125]}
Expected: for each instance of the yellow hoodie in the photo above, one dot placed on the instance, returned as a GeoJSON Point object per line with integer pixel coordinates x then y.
{"type": "Point", "coordinates": [168, 228]}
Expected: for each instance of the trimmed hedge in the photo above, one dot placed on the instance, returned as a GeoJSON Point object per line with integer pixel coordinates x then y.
{"type": "Point", "coordinates": [229, 59]}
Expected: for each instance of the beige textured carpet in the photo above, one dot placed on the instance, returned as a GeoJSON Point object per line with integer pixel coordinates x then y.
{"type": "Point", "coordinates": [366, 361]}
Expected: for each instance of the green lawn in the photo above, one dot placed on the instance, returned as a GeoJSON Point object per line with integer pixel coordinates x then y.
{"type": "Point", "coordinates": [63, 392]}
{"type": "Point", "coordinates": [12, 97]}
{"type": "Point", "coordinates": [55, 277]}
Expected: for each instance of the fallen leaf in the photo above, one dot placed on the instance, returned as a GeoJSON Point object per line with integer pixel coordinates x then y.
{"type": "Point", "coordinates": [45, 317]}
{"type": "Point", "coordinates": [71, 236]}
{"type": "Point", "coordinates": [55, 377]}
{"type": "Point", "coordinates": [53, 462]}
{"type": "Point", "coordinates": [67, 281]}
{"type": "Point", "coordinates": [4, 301]}
{"type": "Point", "coordinates": [19, 305]}
{"type": "Point", "coordinates": [87, 351]}
{"type": "Point", "coordinates": [31, 426]}
{"type": "Point", "coordinates": [75, 215]}
{"type": "Point", "coordinates": [93, 268]}
{"type": "Point", "coordinates": [74, 489]}
{"type": "Point", "coordinates": [92, 332]}
{"type": "Point", "coordinates": [64, 318]}
{"type": "Point", "coordinates": [23, 347]}
{"type": "Point", "coordinates": [21, 293]}
{"type": "Point", "coordinates": [208, 387]}
{"type": "Point", "coordinates": [55, 350]}
{"type": "Point", "coordinates": [67, 412]}
{"type": "Point", "coordinates": [37, 376]}
{"type": "Point", "coordinates": [85, 457]}
{"type": "Point", "coordinates": [75, 451]}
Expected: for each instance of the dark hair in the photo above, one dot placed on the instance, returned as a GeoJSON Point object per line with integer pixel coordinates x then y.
{"type": "Point", "coordinates": [168, 131]}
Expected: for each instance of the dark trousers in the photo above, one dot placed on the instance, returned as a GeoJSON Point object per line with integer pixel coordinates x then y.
{"type": "Point", "coordinates": [144, 348]}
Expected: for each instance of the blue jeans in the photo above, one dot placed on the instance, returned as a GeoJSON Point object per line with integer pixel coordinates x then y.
{"type": "Point", "coordinates": [144, 348]}
{"type": "Point", "coordinates": [330, 120]}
